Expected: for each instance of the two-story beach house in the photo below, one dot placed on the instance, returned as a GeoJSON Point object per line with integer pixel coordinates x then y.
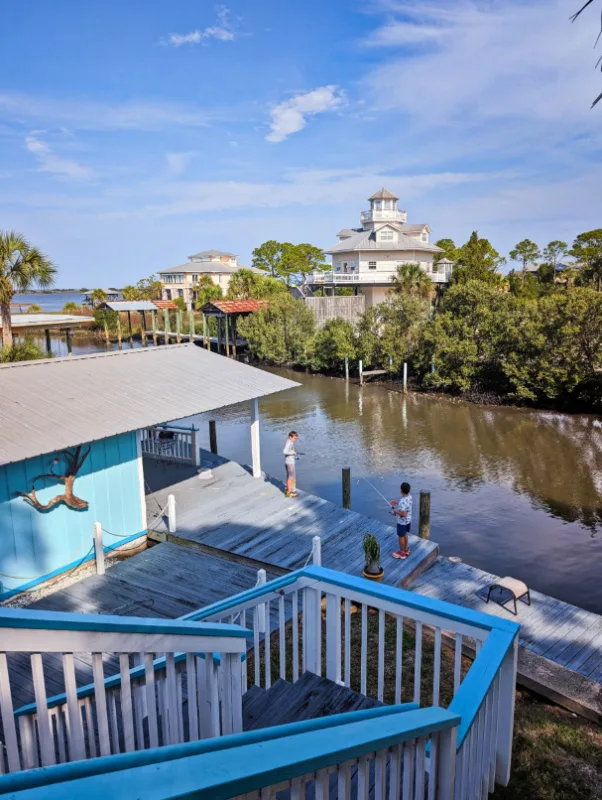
{"type": "Point", "coordinates": [367, 257]}
{"type": "Point", "coordinates": [180, 281]}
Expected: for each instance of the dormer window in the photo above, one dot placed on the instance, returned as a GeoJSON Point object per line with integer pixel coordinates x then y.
{"type": "Point", "coordinates": [425, 236]}
{"type": "Point", "coordinates": [387, 235]}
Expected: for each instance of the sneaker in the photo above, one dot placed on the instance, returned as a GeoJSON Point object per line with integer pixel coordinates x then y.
{"type": "Point", "coordinates": [405, 553]}
{"type": "Point", "coordinates": [399, 554]}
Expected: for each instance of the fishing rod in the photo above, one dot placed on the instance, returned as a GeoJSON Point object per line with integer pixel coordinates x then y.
{"type": "Point", "coordinates": [388, 502]}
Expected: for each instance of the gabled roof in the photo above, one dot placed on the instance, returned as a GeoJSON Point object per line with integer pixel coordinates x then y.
{"type": "Point", "coordinates": [366, 240]}
{"type": "Point", "coordinates": [214, 253]}
{"type": "Point", "coordinates": [87, 398]}
{"type": "Point", "coordinates": [202, 267]}
{"type": "Point", "coordinates": [165, 305]}
{"type": "Point", "coordinates": [383, 194]}
{"type": "Point", "coordinates": [416, 227]}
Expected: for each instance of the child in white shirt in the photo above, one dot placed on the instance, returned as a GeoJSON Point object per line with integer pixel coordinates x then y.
{"type": "Point", "coordinates": [404, 522]}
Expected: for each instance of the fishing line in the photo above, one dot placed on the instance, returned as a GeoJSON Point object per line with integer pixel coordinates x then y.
{"type": "Point", "coordinates": [378, 492]}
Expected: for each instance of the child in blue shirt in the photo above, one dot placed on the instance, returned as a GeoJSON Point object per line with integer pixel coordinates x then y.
{"type": "Point", "coordinates": [404, 521]}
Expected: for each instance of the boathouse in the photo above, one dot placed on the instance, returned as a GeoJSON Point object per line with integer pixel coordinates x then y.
{"type": "Point", "coordinates": [73, 434]}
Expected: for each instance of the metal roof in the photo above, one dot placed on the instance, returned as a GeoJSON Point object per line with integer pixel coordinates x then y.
{"type": "Point", "coordinates": [383, 194]}
{"type": "Point", "coordinates": [207, 266]}
{"type": "Point", "coordinates": [129, 305]}
{"type": "Point", "coordinates": [214, 253]}
{"type": "Point", "coordinates": [366, 240]}
{"type": "Point", "coordinates": [49, 320]}
{"type": "Point", "coordinates": [52, 404]}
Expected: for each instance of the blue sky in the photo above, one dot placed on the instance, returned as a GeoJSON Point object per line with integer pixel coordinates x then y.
{"type": "Point", "coordinates": [135, 133]}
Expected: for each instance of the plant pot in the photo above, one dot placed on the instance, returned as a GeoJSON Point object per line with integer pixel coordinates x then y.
{"type": "Point", "coordinates": [378, 577]}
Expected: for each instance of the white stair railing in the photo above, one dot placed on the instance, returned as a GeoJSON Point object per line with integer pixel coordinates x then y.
{"type": "Point", "coordinates": [172, 681]}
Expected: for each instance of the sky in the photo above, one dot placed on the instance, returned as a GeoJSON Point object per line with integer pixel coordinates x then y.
{"type": "Point", "coordinates": [135, 133]}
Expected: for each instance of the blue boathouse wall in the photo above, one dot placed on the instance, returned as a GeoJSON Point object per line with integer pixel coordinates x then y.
{"type": "Point", "coordinates": [37, 545]}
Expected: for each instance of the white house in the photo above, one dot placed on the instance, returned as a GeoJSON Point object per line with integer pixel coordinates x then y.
{"type": "Point", "coordinates": [180, 281]}
{"type": "Point", "coordinates": [367, 257]}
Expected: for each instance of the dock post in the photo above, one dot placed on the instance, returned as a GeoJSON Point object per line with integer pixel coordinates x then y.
{"type": "Point", "coordinates": [316, 551]}
{"type": "Point", "coordinates": [212, 437]}
{"type": "Point", "coordinates": [255, 450]}
{"type": "Point", "coordinates": [48, 342]}
{"type": "Point", "coordinates": [346, 476]}
{"type": "Point", "coordinates": [154, 325]}
{"type": "Point", "coordinates": [390, 362]}
{"type": "Point", "coordinates": [143, 330]}
{"type": "Point", "coordinates": [166, 325]}
{"type": "Point", "coordinates": [130, 328]}
{"type": "Point", "coordinates": [206, 340]}
{"type": "Point", "coordinates": [119, 341]}
{"type": "Point", "coordinates": [425, 515]}
{"type": "Point", "coordinates": [196, 453]}
{"type": "Point", "coordinates": [171, 513]}
{"type": "Point", "coordinates": [361, 373]}
{"type": "Point", "coordinates": [190, 325]}
{"type": "Point", "coordinates": [99, 552]}
{"type": "Point", "coordinates": [227, 326]}
{"type": "Point", "coordinates": [346, 369]}
{"type": "Point", "coordinates": [405, 376]}
{"type": "Point", "coordinates": [106, 327]}
{"type": "Point", "coordinates": [68, 333]}
{"type": "Point", "coordinates": [179, 326]}
{"type": "Point", "coordinates": [262, 579]}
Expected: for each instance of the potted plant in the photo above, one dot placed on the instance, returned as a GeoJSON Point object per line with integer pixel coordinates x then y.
{"type": "Point", "coordinates": [373, 569]}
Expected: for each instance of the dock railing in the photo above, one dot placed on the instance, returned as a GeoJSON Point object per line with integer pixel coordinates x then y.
{"type": "Point", "coordinates": [170, 443]}
{"type": "Point", "coordinates": [287, 614]}
{"type": "Point", "coordinates": [173, 681]}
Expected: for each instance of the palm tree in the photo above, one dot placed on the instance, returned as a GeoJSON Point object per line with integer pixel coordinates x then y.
{"type": "Point", "coordinates": [70, 307]}
{"type": "Point", "coordinates": [21, 268]}
{"type": "Point", "coordinates": [411, 279]}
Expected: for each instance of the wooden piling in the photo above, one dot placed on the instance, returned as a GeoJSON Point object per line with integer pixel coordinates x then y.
{"type": "Point", "coordinates": [119, 340]}
{"type": "Point", "coordinates": [190, 325]}
{"type": "Point", "coordinates": [166, 325]}
{"type": "Point", "coordinates": [154, 324]}
{"type": "Point", "coordinates": [143, 330]}
{"type": "Point", "coordinates": [227, 325]}
{"type": "Point", "coordinates": [405, 376]}
{"type": "Point", "coordinates": [130, 329]}
{"type": "Point", "coordinates": [106, 327]}
{"type": "Point", "coordinates": [346, 477]}
{"type": "Point", "coordinates": [424, 530]}
{"type": "Point", "coordinates": [179, 326]}
{"type": "Point", "coordinates": [48, 342]}
{"type": "Point", "coordinates": [212, 437]}
{"type": "Point", "coordinates": [361, 373]}
{"type": "Point", "coordinates": [206, 340]}
{"type": "Point", "coordinates": [346, 369]}
{"type": "Point", "coordinates": [68, 333]}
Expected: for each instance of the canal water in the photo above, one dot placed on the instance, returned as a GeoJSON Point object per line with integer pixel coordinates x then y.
{"type": "Point", "coordinates": [514, 492]}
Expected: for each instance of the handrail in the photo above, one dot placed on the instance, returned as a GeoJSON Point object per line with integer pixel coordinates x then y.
{"type": "Point", "coordinates": [100, 766]}
{"type": "Point", "coordinates": [223, 772]}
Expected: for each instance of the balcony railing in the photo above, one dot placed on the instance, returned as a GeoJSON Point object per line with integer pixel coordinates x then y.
{"type": "Point", "coordinates": [170, 443]}
{"type": "Point", "coordinates": [376, 276]}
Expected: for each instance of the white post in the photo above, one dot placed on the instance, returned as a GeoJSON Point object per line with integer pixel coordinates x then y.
{"type": "Point", "coordinates": [141, 482]}
{"type": "Point", "coordinates": [256, 462]}
{"type": "Point", "coordinates": [446, 765]}
{"type": "Point", "coordinates": [196, 451]}
{"type": "Point", "coordinates": [312, 631]}
{"type": "Point", "coordinates": [98, 549]}
{"type": "Point", "coordinates": [262, 579]}
{"type": "Point", "coordinates": [405, 376]}
{"type": "Point", "coordinates": [346, 368]}
{"type": "Point", "coordinates": [505, 730]}
{"type": "Point", "coordinates": [361, 371]}
{"type": "Point", "coordinates": [171, 513]}
{"type": "Point", "coordinates": [316, 551]}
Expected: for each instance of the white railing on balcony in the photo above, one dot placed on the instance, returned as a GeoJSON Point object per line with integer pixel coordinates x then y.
{"type": "Point", "coordinates": [292, 608]}
{"type": "Point", "coordinates": [170, 443]}
{"type": "Point", "coordinates": [376, 276]}
{"type": "Point", "coordinates": [172, 681]}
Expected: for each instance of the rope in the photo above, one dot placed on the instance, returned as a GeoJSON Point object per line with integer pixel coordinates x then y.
{"type": "Point", "coordinates": [35, 577]}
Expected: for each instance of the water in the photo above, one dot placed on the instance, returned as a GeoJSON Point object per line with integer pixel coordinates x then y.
{"type": "Point", "coordinates": [513, 492]}
{"type": "Point", "coordinates": [49, 302]}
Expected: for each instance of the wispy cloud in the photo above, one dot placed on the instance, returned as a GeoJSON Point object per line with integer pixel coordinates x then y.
{"type": "Point", "coordinates": [178, 162]}
{"type": "Point", "coordinates": [291, 115]}
{"type": "Point", "coordinates": [50, 162]}
{"type": "Point", "coordinates": [223, 31]}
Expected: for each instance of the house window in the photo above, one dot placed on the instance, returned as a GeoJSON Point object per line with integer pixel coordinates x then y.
{"type": "Point", "coordinates": [387, 236]}
{"type": "Point", "coordinates": [345, 266]}
{"type": "Point", "coordinates": [168, 294]}
{"type": "Point", "coordinates": [435, 267]}
{"type": "Point", "coordinates": [371, 264]}
{"type": "Point", "coordinates": [180, 292]}
{"type": "Point", "coordinates": [338, 267]}
{"type": "Point", "coordinates": [377, 205]}
{"type": "Point", "coordinates": [195, 277]}
{"type": "Point", "coordinates": [173, 277]}
{"type": "Point", "coordinates": [425, 236]}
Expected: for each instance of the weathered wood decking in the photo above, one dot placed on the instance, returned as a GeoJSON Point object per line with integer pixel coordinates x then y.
{"type": "Point", "coordinates": [235, 514]}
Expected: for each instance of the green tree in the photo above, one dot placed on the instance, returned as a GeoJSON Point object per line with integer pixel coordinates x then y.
{"type": "Point", "coordinates": [206, 290]}
{"type": "Point", "coordinates": [21, 268]}
{"type": "Point", "coordinates": [525, 286]}
{"type": "Point", "coordinates": [130, 293]}
{"type": "Point", "coordinates": [34, 309]}
{"type": "Point", "coordinates": [26, 350]}
{"type": "Point", "coordinates": [449, 248]}
{"type": "Point", "coordinates": [280, 333]}
{"type": "Point", "coordinates": [70, 307]}
{"type": "Point", "coordinates": [268, 257]}
{"type": "Point", "coordinates": [246, 284]}
{"type": "Point", "coordinates": [369, 329]}
{"type": "Point", "coordinates": [333, 343]}
{"type": "Point", "coordinates": [149, 288]}
{"type": "Point", "coordinates": [403, 319]}
{"type": "Point", "coordinates": [98, 296]}
{"type": "Point", "coordinates": [553, 253]}
{"type": "Point", "coordinates": [181, 303]}
{"type": "Point", "coordinates": [525, 252]}
{"type": "Point", "coordinates": [477, 260]}
{"type": "Point", "coordinates": [410, 279]}
{"type": "Point", "coordinates": [587, 249]}
{"type": "Point", "coordinates": [288, 261]}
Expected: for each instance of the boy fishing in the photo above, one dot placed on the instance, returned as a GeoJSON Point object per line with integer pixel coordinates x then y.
{"type": "Point", "coordinates": [404, 521]}
{"type": "Point", "coordinates": [290, 456]}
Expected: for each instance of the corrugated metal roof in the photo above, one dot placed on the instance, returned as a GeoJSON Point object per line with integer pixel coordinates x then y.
{"type": "Point", "coordinates": [53, 404]}
{"type": "Point", "coordinates": [366, 240]}
{"type": "Point", "coordinates": [236, 306]}
{"type": "Point", "coordinates": [129, 305]}
{"type": "Point", "coordinates": [211, 267]}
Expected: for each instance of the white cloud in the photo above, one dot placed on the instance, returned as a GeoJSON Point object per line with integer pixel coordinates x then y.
{"type": "Point", "coordinates": [291, 115]}
{"type": "Point", "coordinates": [177, 162]}
{"type": "Point", "coordinates": [223, 31]}
{"type": "Point", "coordinates": [50, 162]}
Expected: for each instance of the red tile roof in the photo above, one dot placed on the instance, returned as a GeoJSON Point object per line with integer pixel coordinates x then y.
{"type": "Point", "coordinates": [165, 304]}
{"type": "Point", "coordinates": [239, 306]}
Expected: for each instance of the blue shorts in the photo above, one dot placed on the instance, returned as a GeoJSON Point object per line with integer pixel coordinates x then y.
{"type": "Point", "coordinates": [403, 528]}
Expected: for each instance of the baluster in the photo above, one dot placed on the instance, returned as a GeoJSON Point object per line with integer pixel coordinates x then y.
{"type": "Point", "coordinates": [408, 771]}
{"type": "Point", "coordinates": [8, 719]}
{"type": "Point", "coordinates": [243, 623]}
{"type": "Point", "coordinates": [295, 603]}
{"type": "Point", "coordinates": [138, 714]}
{"type": "Point", "coordinates": [171, 699]}
{"type": "Point", "coordinates": [495, 692]}
{"type": "Point", "coordinates": [418, 662]}
{"type": "Point", "coordinates": [281, 621]}
{"type": "Point", "coordinates": [333, 637]}
{"type": "Point", "coordinates": [75, 730]}
{"type": "Point", "coordinates": [363, 778]}
{"type": "Point", "coordinates": [127, 717]}
{"type": "Point", "coordinates": [398, 658]}
{"type": "Point", "coordinates": [213, 694]}
{"type": "Point", "coordinates": [487, 746]}
{"type": "Point", "coordinates": [347, 643]}
{"type": "Point", "coordinates": [380, 775]}
{"type": "Point", "coordinates": [458, 663]}
{"type": "Point", "coordinates": [179, 704]}
{"type": "Point", "coordinates": [104, 742]}
{"type": "Point", "coordinates": [268, 646]}
{"type": "Point", "coordinates": [28, 749]}
{"type": "Point", "coordinates": [298, 789]}
{"type": "Point", "coordinates": [364, 650]}
{"type": "Point", "coordinates": [321, 786]}
{"type": "Point", "coordinates": [344, 781]}
{"type": "Point", "coordinates": [193, 708]}
{"type": "Point", "coordinates": [395, 772]}
{"type": "Point", "coordinates": [112, 698]}
{"type": "Point", "coordinates": [60, 731]}
{"type": "Point", "coordinates": [437, 667]}
{"type": "Point", "coordinates": [44, 728]}
{"type": "Point", "coordinates": [381, 654]}
{"type": "Point", "coordinates": [151, 700]}
{"type": "Point", "coordinates": [420, 768]}
{"type": "Point", "coordinates": [433, 766]}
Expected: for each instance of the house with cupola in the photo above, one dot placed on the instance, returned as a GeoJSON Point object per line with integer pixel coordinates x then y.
{"type": "Point", "coordinates": [367, 257]}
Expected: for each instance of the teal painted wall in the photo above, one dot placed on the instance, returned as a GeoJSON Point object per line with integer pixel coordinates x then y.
{"type": "Point", "coordinates": [35, 544]}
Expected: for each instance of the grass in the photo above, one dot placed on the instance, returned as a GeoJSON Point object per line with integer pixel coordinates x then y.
{"type": "Point", "coordinates": [557, 755]}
